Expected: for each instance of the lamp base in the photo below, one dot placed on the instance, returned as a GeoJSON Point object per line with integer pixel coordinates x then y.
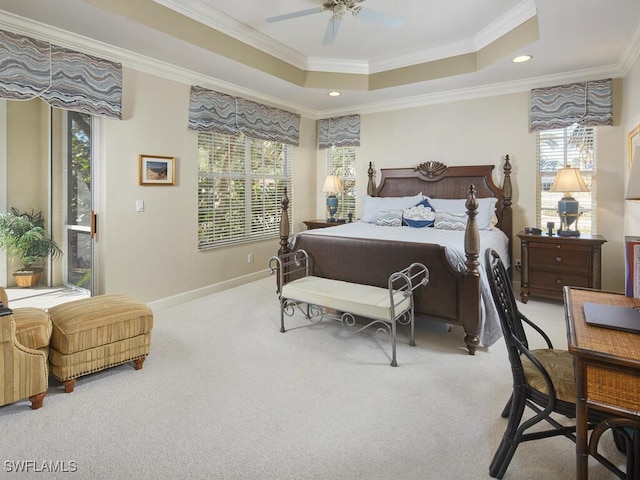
{"type": "Point", "coordinates": [569, 211]}
{"type": "Point", "coordinates": [568, 233]}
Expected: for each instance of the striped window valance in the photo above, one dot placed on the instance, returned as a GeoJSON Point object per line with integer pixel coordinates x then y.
{"type": "Point", "coordinates": [211, 111]}
{"type": "Point", "coordinates": [63, 78]}
{"type": "Point", "coordinates": [588, 103]}
{"type": "Point", "coordinates": [339, 132]}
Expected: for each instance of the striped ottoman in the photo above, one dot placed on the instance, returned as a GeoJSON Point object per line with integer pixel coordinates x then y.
{"type": "Point", "coordinates": [97, 333]}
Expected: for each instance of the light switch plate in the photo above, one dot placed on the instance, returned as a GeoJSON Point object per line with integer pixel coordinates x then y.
{"type": "Point", "coordinates": [139, 205]}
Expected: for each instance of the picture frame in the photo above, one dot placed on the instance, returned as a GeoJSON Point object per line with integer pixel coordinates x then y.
{"type": "Point", "coordinates": [156, 170]}
{"type": "Point", "coordinates": [634, 141]}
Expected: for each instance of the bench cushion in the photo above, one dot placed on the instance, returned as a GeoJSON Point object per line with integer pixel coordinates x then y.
{"type": "Point", "coordinates": [364, 300]}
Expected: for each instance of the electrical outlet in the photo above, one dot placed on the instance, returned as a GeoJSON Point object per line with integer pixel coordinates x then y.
{"type": "Point", "coordinates": [518, 264]}
{"type": "Point", "coordinates": [250, 258]}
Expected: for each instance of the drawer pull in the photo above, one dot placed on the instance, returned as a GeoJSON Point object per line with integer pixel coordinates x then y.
{"type": "Point", "coordinates": [558, 259]}
{"type": "Point", "coordinates": [559, 281]}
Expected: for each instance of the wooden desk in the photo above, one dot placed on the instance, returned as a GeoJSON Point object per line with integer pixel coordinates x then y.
{"type": "Point", "coordinates": [607, 365]}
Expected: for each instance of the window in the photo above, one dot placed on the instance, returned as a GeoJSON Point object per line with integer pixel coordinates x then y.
{"type": "Point", "coordinates": [341, 161]}
{"type": "Point", "coordinates": [574, 146]}
{"type": "Point", "coordinates": [79, 245]}
{"type": "Point", "coordinates": [240, 187]}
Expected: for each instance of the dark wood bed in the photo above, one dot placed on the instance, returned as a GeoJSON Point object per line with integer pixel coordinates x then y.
{"type": "Point", "coordinates": [451, 297]}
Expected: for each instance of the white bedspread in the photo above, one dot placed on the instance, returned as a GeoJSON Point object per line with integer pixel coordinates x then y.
{"type": "Point", "coordinates": [453, 240]}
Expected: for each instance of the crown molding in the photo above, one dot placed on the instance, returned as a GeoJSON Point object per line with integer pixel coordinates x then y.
{"type": "Point", "coordinates": [492, 90]}
{"type": "Point", "coordinates": [169, 71]}
{"type": "Point", "coordinates": [135, 61]}
{"type": "Point", "coordinates": [631, 52]}
{"type": "Point", "coordinates": [207, 15]}
{"type": "Point", "coordinates": [203, 13]}
{"type": "Point", "coordinates": [504, 24]}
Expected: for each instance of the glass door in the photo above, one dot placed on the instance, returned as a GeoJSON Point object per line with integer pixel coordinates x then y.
{"type": "Point", "coordinates": [79, 226]}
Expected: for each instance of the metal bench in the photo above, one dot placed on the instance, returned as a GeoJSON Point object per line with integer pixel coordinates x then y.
{"type": "Point", "coordinates": [314, 296]}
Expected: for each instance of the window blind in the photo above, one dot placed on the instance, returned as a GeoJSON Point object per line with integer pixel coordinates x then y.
{"type": "Point", "coordinates": [574, 146]}
{"type": "Point", "coordinates": [342, 162]}
{"type": "Point", "coordinates": [240, 185]}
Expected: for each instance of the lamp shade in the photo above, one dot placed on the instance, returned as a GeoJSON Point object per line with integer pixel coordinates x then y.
{"type": "Point", "coordinates": [332, 184]}
{"type": "Point", "coordinates": [633, 186]}
{"type": "Point", "coordinates": [568, 179]}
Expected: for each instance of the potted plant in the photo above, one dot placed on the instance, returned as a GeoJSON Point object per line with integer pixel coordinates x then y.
{"type": "Point", "coordinates": [24, 238]}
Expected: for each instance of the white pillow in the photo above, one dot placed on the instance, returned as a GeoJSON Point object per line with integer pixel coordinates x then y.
{"type": "Point", "coordinates": [486, 209]}
{"type": "Point", "coordinates": [450, 221]}
{"type": "Point", "coordinates": [389, 218]}
{"type": "Point", "coordinates": [373, 205]}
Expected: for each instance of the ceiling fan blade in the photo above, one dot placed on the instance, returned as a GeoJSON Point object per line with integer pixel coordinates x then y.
{"type": "Point", "coordinates": [331, 32]}
{"type": "Point", "coordinates": [300, 13]}
{"type": "Point", "coordinates": [383, 19]}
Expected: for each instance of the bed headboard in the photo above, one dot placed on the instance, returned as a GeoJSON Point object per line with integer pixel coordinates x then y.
{"type": "Point", "coordinates": [437, 180]}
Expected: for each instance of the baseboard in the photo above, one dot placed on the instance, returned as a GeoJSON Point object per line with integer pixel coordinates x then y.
{"type": "Point", "coordinates": [208, 290]}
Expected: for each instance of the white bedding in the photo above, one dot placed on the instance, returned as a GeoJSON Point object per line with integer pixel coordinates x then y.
{"type": "Point", "coordinates": [453, 240]}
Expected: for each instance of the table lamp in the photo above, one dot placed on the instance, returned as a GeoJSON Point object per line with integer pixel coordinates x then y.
{"type": "Point", "coordinates": [568, 180]}
{"type": "Point", "coordinates": [332, 185]}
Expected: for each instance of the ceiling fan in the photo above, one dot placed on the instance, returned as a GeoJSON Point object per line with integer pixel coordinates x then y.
{"type": "Point", "coordinates": [338, 9]}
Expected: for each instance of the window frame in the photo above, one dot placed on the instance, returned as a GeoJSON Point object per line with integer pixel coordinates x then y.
{"type": "Point", "coordinates": [250, 173]}
{"type": "Point", "coordinates": [346, 198]}
{"type": "Point", "coordinates": [583, 154]}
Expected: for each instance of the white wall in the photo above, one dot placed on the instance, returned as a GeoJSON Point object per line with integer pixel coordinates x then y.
{"type": "Point", "coordinates": [153, 255]}
{"type": "Point", "coordinates": [483, 131]}
{"type": "Point", "coordinates": [631, 119]}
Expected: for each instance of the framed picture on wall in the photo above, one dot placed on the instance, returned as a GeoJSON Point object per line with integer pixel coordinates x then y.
{"type": "Point", "coordinates": [156, 170]}
{"type": "Point", "coordinates": [634, 141]}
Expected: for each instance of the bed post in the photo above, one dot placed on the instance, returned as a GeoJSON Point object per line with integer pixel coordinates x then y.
{"type": "Point", "coordinates": [284, 224]}
{"type": "Point", "coordinates": [470, 296]}
{"type": "Point", "coordinates": [471, 235]}
{"type": "Point", "coordinates": [507, 214]}
{"type": "Point", "coordinates": [371, 186]}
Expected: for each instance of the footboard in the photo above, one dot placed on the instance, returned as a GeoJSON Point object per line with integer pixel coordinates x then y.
{"type": "Point", "coordinates": [452, 297]}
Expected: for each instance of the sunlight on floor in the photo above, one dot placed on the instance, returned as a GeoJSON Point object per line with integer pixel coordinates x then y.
{"type": "Point", "coordinates": [43, 297]}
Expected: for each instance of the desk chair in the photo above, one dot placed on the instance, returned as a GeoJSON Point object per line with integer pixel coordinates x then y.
{"type": "Point", "coordinates": [543, 379]}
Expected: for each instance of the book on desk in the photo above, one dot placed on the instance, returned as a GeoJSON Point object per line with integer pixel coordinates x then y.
{"type": "Point", "coordinates": [616, 317]}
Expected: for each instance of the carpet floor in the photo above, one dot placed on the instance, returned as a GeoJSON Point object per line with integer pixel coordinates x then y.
{"type": "Point", "coordinates": [225, 395]}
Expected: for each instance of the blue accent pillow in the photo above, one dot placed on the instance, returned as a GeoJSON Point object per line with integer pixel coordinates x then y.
{"type": "Point", "coordinates": [420, 215]}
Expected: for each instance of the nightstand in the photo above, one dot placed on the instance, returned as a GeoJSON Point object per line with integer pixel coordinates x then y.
{"type": "Point", "coordinates": [551, 262]}
{"type": "Point", "coordinates": [321, 223]}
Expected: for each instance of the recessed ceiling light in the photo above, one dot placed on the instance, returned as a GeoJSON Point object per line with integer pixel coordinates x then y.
{"type": "Point", "coordinates": [334, 94]}
{"type": "Point", "coordinates": [522, 58]}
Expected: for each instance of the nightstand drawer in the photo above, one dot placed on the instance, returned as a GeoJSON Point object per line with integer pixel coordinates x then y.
{"type": "Point", "coordinates": [555, 281]}
{"type": "Point", "coordinates": [561, 256]}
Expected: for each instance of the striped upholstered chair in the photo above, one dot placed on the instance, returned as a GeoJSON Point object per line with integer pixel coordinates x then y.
{"type": "Point", "coordinates": [24, 347]}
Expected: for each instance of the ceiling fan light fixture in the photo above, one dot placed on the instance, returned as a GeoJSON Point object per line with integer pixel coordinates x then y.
{"type": "Point", "coordinates": [340, 9]}
{"type": "Point", "coordinates": [522, 58]}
